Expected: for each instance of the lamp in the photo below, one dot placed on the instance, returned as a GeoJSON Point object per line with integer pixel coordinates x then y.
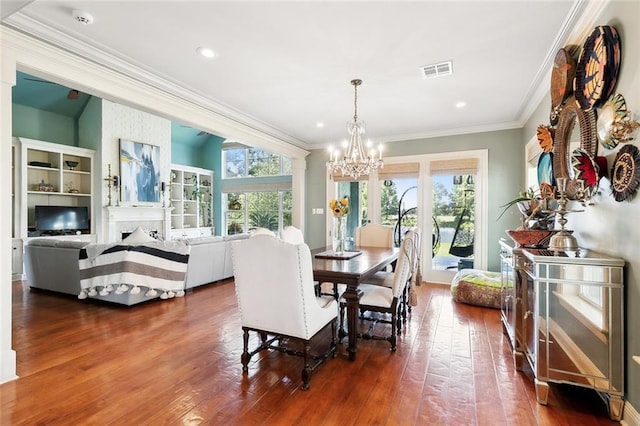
{"type": "Point", "coordinates": [355, 161]}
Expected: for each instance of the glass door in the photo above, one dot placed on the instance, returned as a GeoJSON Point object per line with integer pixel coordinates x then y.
{"type": "Point", "coordinates": [399, 205]}
{"type": "Point", "coordinates": [440, 193]}
{"type": "Point", "coordinates": [453, 218]}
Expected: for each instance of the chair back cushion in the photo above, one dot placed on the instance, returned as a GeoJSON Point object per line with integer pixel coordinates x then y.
{"type": "Point", "coordinates": [404, 264]}
{"type": "Point", "coordinates": [374, 235]}
{"type": "Point", "coordinates": [261, 231]}
{"type": "Point", "coordinates": [292, 235]}
{"type": "Point", "coordinates": [275, 289]}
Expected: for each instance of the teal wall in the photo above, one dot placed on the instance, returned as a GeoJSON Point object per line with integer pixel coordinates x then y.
{"type": "Point", "coordinates": [505, 180]}
{"type": "Point", "coordinates": [43, 125]}
{"type": "Point", "coordinates": [183, 154]}
{"type": "Point", "coordinates": [90, 126]}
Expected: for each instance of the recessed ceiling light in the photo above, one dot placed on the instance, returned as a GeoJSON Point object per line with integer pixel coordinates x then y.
{"type": "Point", "coordinates": [206, 52]}
{"type": "Point", "coordinates": [319, 125]}
{"type": "Point", "coordinates": [461, 104]}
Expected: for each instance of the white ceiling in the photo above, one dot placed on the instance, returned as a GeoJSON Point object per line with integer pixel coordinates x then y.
{"type": "Point", "coordinates": [285, 66]}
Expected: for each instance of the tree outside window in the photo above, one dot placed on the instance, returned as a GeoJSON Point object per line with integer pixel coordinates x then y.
{"type": "Point", "coordinates": [271, 210]}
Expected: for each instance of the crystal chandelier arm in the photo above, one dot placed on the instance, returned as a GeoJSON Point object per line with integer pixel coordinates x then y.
{"type": "Point", "coordinates": [356, 160]}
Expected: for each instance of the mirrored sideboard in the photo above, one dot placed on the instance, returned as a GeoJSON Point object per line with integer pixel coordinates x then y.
{"type": "Point", "coordinates": [567, 319]}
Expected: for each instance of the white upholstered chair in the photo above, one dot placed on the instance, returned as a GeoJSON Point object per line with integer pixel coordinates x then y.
{"type": "Point", "coordinates": [374, 235]}
{"type": "Point", "coordinates": [385, 278]}
{"type": "Point", "coordinates": [386, 299]}
{"type": "Point", "coordinates": [276, 298]}
{"type": "Point", "coordinates": [292, 235]}
{"type": "Point", "coordinates": [261, 231]}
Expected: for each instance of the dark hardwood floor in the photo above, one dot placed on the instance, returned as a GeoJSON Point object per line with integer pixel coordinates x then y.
{"type": "Point", "coordinates": [177, 362]}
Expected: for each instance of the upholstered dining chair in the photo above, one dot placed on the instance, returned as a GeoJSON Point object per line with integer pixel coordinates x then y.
{"type": "Point", "coordinates": [384, 278]}
{"type": "Point", "coordinates": [374, 235]}
{"type": "Point", "coordinates": [276, 299]}
{"type": "Point", "coordinates": [386, 300]}
{"type": "Point", "coordinates": [261, 231]}
{"type": "Point", "coordinates": [292, 235]}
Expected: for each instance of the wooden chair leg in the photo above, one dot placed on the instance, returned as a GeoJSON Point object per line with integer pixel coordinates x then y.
{"type": "Point", "coordinates": [334, 337]}
{"type": "Point", "coordinates": [395, 320]}
{"type": "Point", "coordinates": [306, 371]}
{"type": "Point", "coordinates": [245, 357]}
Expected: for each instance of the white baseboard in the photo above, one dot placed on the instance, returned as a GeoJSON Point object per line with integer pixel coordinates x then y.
{"type": "Point", "coordinates": [630, 417]}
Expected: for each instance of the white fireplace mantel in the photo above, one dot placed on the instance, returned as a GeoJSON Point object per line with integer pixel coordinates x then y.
{"type": "Point", "coordinates": [124, 218]}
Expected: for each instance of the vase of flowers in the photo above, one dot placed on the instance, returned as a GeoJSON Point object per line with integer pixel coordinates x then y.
{"type": "Point", "coordinates": [340, 209]}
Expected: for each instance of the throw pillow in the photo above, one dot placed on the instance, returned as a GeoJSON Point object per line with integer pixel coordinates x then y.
{"type": "Point", "coordinates": [138, 237]}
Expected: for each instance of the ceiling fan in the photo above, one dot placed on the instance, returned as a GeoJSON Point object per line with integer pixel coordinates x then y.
{"type": "Point", "coordinates": [73, 94]}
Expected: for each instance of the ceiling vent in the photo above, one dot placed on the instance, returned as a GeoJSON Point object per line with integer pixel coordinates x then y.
{"type": "Point", "coordinates": [437, 70]}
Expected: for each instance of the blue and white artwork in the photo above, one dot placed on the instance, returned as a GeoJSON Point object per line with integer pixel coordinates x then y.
{"type": "Point", "coordinates": [139, 172]}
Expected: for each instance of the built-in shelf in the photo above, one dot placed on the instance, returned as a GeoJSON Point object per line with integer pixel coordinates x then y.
{"type": "Point", "coordinates": [191, 198]}
{"type": "Point", "coordinates": [51, 174]}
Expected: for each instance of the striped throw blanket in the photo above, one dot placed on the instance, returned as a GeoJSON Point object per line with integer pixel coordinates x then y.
{"type": "Point", "coordinates": [157, 267]}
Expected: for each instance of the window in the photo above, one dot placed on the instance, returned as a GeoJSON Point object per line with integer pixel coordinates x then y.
{"type": "Point", "coordinates": [254, 162]}
{"type": "Point", "coordinates": [256, 189]}
{"type": "Point", "coordinates": [266, 209]}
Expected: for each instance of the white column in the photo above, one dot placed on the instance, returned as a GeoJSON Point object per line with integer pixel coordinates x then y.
{"type": "Point", "coordinates": [299, 166]}
{"type": "Point", "coordinates": [7, 81]}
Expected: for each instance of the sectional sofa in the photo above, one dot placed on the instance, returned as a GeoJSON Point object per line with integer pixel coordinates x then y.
{"type": "Point", "coordinates": [52, 264]}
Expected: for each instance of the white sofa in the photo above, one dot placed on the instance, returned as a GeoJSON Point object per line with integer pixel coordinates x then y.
{"type": "Point", "coordinates": [52, 265]}
{"type": "Point", "coordinates": [210, 259]}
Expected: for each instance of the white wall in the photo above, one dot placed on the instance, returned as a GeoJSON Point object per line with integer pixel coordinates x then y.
{"type": "Point", "coordinates": [123, 122]}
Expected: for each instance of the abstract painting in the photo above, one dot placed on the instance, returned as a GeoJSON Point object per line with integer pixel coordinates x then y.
{"type": "Point", "coordinates": [139, 172]}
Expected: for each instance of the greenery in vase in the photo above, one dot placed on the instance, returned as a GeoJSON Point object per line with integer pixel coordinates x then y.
{"type": "Point", "coordinates": [528, 195]}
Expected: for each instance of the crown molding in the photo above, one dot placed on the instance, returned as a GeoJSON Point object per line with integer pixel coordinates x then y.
{"type": "Point", "coordinates": [575, 29]}
{"type": "Point", "coordinates": [126, 66]}
{"type": "Point", "coordinates": [438, 134]}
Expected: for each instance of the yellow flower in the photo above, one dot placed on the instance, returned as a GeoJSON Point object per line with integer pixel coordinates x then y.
{"type": "Point", "coordinates": [339, 208]}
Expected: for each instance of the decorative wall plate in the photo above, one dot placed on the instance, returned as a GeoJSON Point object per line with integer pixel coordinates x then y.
{"type": "Point", "coordinates": [562, 75]}
{"type": "Point", "coordinates": [625, 173]}
{"type": "Point", "coordinates": [611, 116]}
{"type": "Point", "coordinates": [585, 169]}
{"type": "Point", "coordinates": [614, 57]}
{"type": "Point", "coordinates": [597, 68]}
{"type": "Point", "coordinates": [545, 169]}
{"type": "Point", "coordinates": [545, 137]}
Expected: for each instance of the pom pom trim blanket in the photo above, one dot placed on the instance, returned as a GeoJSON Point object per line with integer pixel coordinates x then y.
{"type": "Point", "coordinates": [157, 267]}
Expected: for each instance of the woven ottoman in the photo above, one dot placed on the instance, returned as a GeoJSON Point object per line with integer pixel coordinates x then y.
{"type": "Point", "coordinates": [476, 287]}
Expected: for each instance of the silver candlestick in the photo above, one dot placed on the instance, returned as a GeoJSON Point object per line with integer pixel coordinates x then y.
{"type": "Point", "coordinates": [563, 240]}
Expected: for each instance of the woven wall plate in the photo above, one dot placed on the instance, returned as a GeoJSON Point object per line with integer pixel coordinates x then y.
{"type": "Point", "coordinates": [625, 173]}
{"type": "Point", "coordinates": [562, 75]}
{"type": "Point", "coordinates": [611, 116]}
{"type": "Point", "coordinates": [597, 68]}
{"type": "Point", "coordinates": [545, 137]}
{"type": "Point", "coordinates": [585, 169]}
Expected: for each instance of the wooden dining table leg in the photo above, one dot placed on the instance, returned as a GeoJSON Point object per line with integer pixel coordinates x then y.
{"type": "Point", "coordinates": [352, 296]}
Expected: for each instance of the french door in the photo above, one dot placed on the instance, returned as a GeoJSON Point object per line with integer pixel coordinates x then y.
{"type": "Point", "coordinates": [445, 195]}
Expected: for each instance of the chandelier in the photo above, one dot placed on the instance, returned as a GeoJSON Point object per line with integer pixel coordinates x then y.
{"type": "Point", "coordinates": [354, 160]}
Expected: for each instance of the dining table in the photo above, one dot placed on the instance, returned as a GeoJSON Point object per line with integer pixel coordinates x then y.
{"type": "Point", "coordinates": [351, 268]}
